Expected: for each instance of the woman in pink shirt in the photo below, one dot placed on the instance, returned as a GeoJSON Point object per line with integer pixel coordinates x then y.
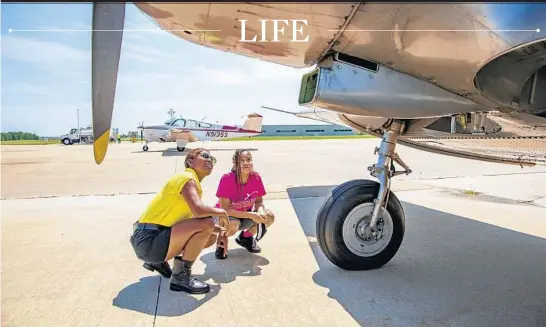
{"type": "Point", "coordinates": [240, 193]}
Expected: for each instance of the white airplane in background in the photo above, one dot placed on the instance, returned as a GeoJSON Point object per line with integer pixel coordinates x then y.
{"type": "Point", "coordinates": [184, 131]}
{"type": "Point", "coordinates": [460, 79]}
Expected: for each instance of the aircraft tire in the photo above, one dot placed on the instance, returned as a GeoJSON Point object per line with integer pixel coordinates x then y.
{"type": "Point", "coordinates": [181, 148]}
{"type": "Point", "coordinates": [347, 206]}
{"type": "Point", "coordinates": [145, 148]}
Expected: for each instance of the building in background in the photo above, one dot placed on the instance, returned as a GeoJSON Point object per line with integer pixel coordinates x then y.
{"type": "Point", "coordinates": [306, 130]}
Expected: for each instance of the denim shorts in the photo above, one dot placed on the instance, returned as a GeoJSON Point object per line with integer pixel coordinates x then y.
{"type": "Point", "coordinates": [151, 245]}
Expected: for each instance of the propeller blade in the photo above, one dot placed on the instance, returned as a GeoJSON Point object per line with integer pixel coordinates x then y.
{"type": "Point", "coordinates": [108, 21]}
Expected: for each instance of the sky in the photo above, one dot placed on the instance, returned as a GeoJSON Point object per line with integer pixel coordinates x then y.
{"type": "Point", "coordinates": [46, 76]}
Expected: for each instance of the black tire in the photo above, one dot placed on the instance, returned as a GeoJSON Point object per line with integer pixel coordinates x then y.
{"type": "Point", "coordinates": [67, 141]}
{"type": "Point", "coordinates": [181, 148]}
{"type": "Point", "coordinates": [333, 213]}
{"type": "Point", "coordinates": [145, 148]}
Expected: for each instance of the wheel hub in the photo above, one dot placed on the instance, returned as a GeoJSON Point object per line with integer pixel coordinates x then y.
{"type": "Point", "coordinates": [360, 238]}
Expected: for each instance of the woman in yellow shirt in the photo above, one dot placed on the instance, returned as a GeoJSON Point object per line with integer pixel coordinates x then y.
{"type": "Point", "coordinates": [177, 224]}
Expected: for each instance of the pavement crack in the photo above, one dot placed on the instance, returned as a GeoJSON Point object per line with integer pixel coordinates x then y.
{"type": "Point", "coordinates": [157, 300]}
{"type": "Point", "coordinates": [75, 195]}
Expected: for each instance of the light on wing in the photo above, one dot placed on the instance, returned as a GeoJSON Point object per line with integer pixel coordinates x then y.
{"type": "Point", "coordinates": [108, 21]}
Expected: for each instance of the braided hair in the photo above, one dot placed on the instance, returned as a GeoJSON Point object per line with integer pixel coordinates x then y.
{"type": "Point", "coordinates": [238, 170]}
{"type": "Point", "coordinates": [192, 155]}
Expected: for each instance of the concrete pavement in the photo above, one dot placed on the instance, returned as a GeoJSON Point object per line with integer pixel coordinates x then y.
{"type": "Point", "coordinates": [466, 260]}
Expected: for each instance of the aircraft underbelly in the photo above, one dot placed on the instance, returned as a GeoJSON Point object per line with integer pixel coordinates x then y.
{"type": "Point", "coordinates": [223, 17]}
{"type": "Point", "coordinates": [409, 38]}
{"type": "Point", "coordinates": [414, 45]}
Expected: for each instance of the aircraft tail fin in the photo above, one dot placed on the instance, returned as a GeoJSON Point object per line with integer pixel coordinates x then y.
{"type": "Point", "coordinates": [253, 122]}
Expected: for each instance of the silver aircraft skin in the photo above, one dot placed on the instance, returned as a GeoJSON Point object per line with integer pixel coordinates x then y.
{"type": "Point", "coordinates": [460, 79]}
{"type": "Point", "coordinates": [423, 62]}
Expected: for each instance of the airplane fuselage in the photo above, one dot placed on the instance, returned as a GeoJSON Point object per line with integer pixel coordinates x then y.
{"type": "Point", "coordinates": [184, 131]}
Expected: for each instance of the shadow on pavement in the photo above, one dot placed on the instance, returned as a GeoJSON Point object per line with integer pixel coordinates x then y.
{"type": "Point", "coordinates": [449, 271]}
{"type": "Point", "coordinates": [151, 295]}
{"type": "Point", "coordinates": [240, 263]}
{"type": "Point", "coordinates": [140, 296]}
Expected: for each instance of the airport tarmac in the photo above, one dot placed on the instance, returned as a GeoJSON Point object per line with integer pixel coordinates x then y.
{"type": "Point", "coordinates": [466, 260]}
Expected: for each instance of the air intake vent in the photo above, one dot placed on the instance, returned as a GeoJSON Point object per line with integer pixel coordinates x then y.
{"type": "Point", "coordinates": [359, 62]}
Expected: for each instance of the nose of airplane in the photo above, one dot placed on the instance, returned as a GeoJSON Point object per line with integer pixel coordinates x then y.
{"type": "Point", "coordinates": [106, 38]}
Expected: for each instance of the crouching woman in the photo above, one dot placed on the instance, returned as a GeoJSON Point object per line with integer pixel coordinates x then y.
{"type": "Point", "coordinates": [177, 224]}
{"type": "Point", "coordinates": [240, 192]}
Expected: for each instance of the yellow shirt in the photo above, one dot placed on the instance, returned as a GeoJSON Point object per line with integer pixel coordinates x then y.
{"type": "Point", "coordinates": [169, 207]}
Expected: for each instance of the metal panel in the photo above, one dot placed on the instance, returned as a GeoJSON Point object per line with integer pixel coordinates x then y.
{"type": "Point", "coordinates": [349, 89]}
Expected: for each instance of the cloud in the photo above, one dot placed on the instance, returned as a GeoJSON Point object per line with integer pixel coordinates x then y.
{"type": "Point", "coordinates": [223, 76]}
{"type": "Point", "coordinates": [271, 71]}
{"type": "Point", "coordinates": [25, 88]}
{"type": "Point", "coordinates": [145, 54]}
{"type": "Point", "coordinates": [53, 57]}
{"type": "Point", "coordinates": [72, 28]}
{"type": "Point", "coordinates": [39, 52]}
{"type": "Point", "coordinates": [40, 117]}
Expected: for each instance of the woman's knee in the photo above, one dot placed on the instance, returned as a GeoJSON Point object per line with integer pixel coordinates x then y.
{"type": "Point", "coordinates": [233, 227]}
{"type": "Point", "coordinates": [210, 241]}
{"type": "Point", "coordinates": [208, 224]}
{"type": "Point", "coordinates": [270, 218]}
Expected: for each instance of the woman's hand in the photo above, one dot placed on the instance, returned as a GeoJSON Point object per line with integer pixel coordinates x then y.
{"type": "Point", "coordinates": [224, 220]}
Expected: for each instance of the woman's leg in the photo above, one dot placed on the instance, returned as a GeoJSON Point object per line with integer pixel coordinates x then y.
{"type": "Point", "coordinates": [246, 238]}
{"type": "Point", "coordinates": [268, 223]}
{"type": "Point", "coordinates": [189, 238]}
{"type": "Point", "coordinates": [233, 227]}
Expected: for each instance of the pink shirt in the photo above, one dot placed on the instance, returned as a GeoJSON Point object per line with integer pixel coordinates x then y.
{"type": "Point", "coordinates": [244, 198]}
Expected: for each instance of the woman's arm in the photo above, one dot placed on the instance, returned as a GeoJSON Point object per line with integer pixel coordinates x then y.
{"type": "Point", "coordinates": [259, 204]}
{"type": "Point", "coordinates": [225, 203]}
{"type": "Point", "coordinates": [197, 207]}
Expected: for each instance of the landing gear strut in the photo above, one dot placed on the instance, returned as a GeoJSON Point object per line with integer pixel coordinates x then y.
{"type": "Point", "coordinates": [361, 224]}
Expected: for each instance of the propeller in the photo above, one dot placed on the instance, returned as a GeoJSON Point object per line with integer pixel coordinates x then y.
{"type": "Point", "coordinates": [106, 37]}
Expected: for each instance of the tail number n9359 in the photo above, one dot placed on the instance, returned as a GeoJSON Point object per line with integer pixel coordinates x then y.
{"type": "Point", "coordinates": [217, 134]}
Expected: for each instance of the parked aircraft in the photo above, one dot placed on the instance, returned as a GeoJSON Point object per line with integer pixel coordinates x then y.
{"type": "Point", "coordinates": [183, 131]}
{"type": "Point", "coordinates": [456, 78]}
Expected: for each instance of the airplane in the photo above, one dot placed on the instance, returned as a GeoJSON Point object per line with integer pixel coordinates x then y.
{"type": "Point", "coordinates": [183, 131]}
{"type": "Point", "coordinates": [460, 79]}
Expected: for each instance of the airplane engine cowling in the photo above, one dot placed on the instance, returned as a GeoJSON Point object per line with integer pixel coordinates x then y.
{"type": "Point", "coordinates": [355, 86]}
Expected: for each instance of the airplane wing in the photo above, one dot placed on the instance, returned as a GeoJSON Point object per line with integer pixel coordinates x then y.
{"type": "Point", "coordinates": [182, 134]}
{"type": "Point", "coordinates": [324, 116]}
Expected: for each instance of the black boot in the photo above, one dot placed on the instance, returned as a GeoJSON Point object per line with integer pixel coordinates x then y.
{"type": "Point", "coordinates": [183, 281]}
{"type": "Point", "coordinates": [162, 268]}
{"type": "Point", "coordinates": [248, 243]}
{"type": "Point", "coordinates": [219, 254]}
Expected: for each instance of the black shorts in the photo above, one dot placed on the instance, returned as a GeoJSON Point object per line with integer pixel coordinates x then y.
{"type": "Point", "coordinates": [151, 242]}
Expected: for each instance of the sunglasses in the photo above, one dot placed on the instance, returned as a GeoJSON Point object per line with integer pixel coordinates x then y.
{"type": "Point", "coordinates": [206, 155]}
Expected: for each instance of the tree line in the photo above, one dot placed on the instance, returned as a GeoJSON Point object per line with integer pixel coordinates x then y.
{"type": "Point", "coordinates": [13, 136]}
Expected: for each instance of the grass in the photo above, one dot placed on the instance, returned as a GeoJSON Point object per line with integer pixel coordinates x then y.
{"type": "Point", "coordinates": [277, 138]}
{"type": "Point", "coordinates": [255, 138]}
{"type": "Point", "coordinates": [471, 192]}
{"type": "Point", "coordinates": [31, 142]}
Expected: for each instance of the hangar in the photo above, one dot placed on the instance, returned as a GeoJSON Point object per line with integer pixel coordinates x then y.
{"type": "Point", "coordinates": [306, 130]}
